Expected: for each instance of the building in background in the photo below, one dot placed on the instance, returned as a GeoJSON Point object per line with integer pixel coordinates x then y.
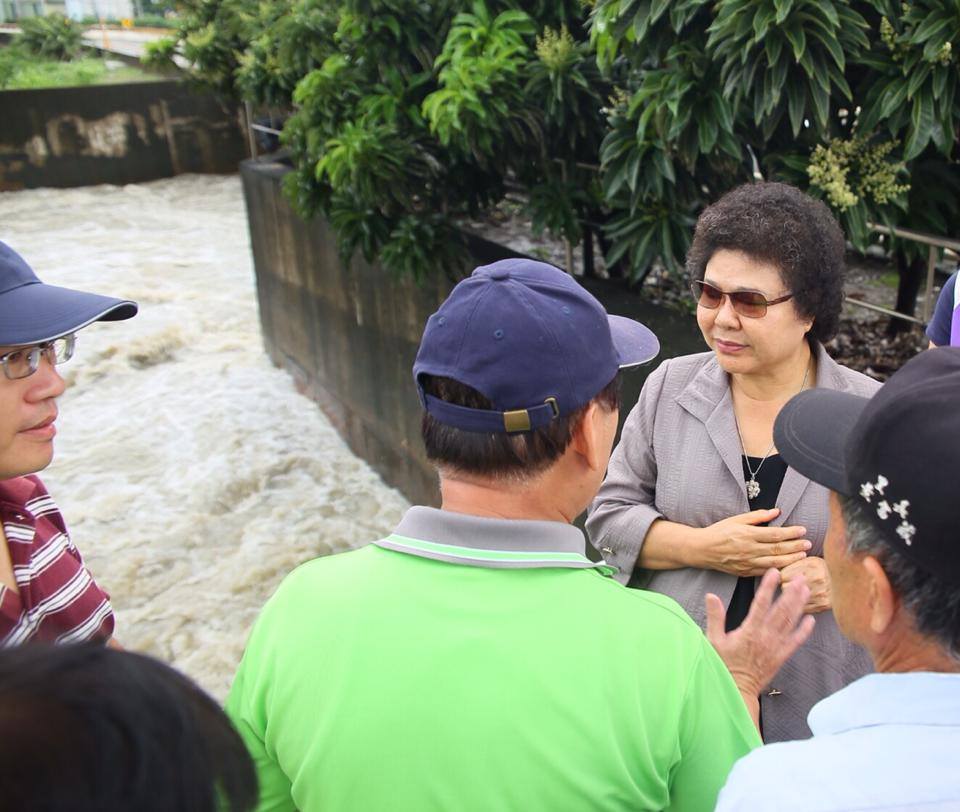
{"type": "Point", "coordinates": [11, 10]}
{"type": "Point", "coordinates": [100, 9]}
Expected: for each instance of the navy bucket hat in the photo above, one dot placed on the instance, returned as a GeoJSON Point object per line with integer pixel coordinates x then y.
{"type": "Point", "coordinates": [32, 312]}
{"type": "Point", "coordinates": [532, 340]}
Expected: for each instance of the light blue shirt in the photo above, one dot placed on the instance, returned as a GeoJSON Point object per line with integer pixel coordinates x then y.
{"type": "Point", "coordinates": [886, 741]}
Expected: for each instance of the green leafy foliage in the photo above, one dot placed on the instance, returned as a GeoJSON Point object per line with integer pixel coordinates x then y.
{"type": "Point", "coordinates": [786, 58]}
{"type": "Point", "coordinates": [154, 21]}
{"type": "Point", "coordinates": [211, 36]}
{"type": "Point", "coordinates": [846, 99]}
{"type": "Point", "coordinates": [479, 103]}
{"type": "Point", "coordinates": [50, 37]}
{"type": "Point", "coordinates": [405, 116]}
{"type": "Point", "coordinates": [159, 55]}
{"type": "Point", "coordinates": [913, 91]}
{"type": "Point", "coordinates": [362, 148]}
{"type": "Point", "coordinates": [9, 65]}
{"type": "Point", "coordinates": [418, 245]}
{"type": "Point", "coordinates": [20, 70]}
{"type": "Point", "coordinates": [569, 90]}
{"type": "Point", "coordinates": [287, 43]}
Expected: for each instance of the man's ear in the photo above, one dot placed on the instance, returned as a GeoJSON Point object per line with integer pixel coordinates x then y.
{"type": "Point", "coordinates": [587, 438]}
{"type": "Point", "coordinates": [882, 601]}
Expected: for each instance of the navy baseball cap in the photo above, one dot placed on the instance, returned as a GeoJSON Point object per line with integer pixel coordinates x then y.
{"type": "Point", "coordinates": [32, 312]}
{"type": "Point", "coordinates": [897, 453]}
{"type": "Point", "coordinates": [532, 340]}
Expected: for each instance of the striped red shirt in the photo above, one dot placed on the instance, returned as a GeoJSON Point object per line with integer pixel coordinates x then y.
{"type": "Point", "coordinates": [58, 601]}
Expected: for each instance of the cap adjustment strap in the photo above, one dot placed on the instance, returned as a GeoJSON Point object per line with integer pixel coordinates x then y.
{"type": "Point", "coordinates": [490, 420]}
{"type": "Point", "coordinates": [517, 420]}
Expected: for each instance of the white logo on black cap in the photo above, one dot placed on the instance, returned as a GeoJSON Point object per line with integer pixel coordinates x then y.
{"type": "Point", "coordinates": [905, 530]}
{"type": "Point", "coordinates": [868, 489]}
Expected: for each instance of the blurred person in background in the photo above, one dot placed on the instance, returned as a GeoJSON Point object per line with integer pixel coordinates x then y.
{"type": "Point", "coordinates": [944, 327]}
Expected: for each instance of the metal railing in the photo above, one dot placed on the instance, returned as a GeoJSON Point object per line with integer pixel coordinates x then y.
{"type": "Point", "coordinates": [935, 244]}
{"type": "Point", "coordinates": [252, 128]}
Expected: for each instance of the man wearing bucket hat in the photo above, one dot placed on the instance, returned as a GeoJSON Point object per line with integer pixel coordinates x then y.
{"type": "Point", "coordinates": [46, 593]}
{"type": "Point", "coordinates": [889, 740]}
{"type": "Point", "coordinates": [475, 658]}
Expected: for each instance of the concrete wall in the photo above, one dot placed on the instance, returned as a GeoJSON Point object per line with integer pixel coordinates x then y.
{"type": "Point", "coordinates": [349, 335]}
{"type": "Point", "coordinates": [130, 133]}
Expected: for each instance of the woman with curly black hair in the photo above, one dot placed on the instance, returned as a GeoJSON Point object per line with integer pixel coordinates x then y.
{"type": "Point", "coordinates": [697, 500]}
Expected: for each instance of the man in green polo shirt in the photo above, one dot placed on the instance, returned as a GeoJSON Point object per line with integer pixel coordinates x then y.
{"type": "Point", "coordinates": [475, 659]}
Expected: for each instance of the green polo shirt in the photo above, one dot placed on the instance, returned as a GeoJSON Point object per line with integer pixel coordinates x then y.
{"type": "Point", "coordinates": [480, 664]}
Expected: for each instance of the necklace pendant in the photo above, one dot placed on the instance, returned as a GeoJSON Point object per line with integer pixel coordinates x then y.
{"type": "Point", "coordinates": [753, 488]}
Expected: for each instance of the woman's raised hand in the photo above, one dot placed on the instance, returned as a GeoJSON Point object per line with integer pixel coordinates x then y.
{"type": "Point", "coordinates": [737, 545]}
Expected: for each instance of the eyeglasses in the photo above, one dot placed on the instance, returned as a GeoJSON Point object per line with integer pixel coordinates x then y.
{"type": "Point", "coordinates": [748, 303]}
{"type": "Point", "coordinates": [22, 363]}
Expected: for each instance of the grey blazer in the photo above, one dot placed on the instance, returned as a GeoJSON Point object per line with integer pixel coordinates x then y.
{"type": "Point", "coordinates": [679, 458]}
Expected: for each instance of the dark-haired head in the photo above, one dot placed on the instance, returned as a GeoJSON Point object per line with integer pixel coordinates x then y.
{"type": "Point", "coordinates": [90, 728]}
{"type": "Point", "coordinates": [778, 224]}
{"type": "Point", "coordinates": [932, 600]}
{"type": "Point", "coordinates": [500, 456]}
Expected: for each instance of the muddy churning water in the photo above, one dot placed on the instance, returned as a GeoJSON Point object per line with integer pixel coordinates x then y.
{"type": "Point", "coordinates": [192, 475]}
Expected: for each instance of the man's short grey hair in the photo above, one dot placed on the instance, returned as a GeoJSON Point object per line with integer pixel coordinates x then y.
{"type": "Point", "coordinates": [933, 602]}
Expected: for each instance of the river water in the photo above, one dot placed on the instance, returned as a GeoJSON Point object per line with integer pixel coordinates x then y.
{"type": "Point", "coordinates": [192, 475]}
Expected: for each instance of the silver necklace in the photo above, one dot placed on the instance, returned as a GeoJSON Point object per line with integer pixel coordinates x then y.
{"type": "Point", "coordinates": [753, 487]}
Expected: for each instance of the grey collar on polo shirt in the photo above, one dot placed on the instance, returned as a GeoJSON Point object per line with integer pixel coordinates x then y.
{"type": "Point", "coordinates": [477, 541]}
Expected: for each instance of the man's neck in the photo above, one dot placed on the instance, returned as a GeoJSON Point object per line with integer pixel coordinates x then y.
{"type": "Point", "coordinates": [499, 499]}
{"type": "Point", "coordinates": [905, 650]}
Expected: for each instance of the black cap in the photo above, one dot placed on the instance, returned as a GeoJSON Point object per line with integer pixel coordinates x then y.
{"type": "Point", "coordinates": [897, 452]}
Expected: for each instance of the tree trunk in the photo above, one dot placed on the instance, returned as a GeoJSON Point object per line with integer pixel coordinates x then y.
{"type": "Point", "coordinates": [911, 277]}
{"type": "Point", "coordinates": [589, 269]}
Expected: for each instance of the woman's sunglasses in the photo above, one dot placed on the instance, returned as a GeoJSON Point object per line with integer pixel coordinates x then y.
{"type": "Point", "coordinates": [748, 303]}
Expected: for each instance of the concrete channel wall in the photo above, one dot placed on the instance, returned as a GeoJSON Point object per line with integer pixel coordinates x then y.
{"type": "Point", "coordinates": [349, 334]}
{"type": "Point", "coordinates": [125, 133]}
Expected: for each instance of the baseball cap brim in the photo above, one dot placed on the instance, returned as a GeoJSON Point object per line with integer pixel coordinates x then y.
{"type": "Point", "coordinates": [812, 432]}
{"type": "Point", "coordinates": [35, 312]}
{"type": "Point", "coordinates": [635, 344]}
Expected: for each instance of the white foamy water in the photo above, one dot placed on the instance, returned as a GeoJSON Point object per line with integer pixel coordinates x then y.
{"type": "Point", "coordinates": [191, 473]}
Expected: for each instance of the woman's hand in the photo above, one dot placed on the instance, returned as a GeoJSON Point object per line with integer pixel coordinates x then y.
{"type": "Point", "coordinates": [813, 570]}
{"type": "Point", "coordinates": [738, 546]}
